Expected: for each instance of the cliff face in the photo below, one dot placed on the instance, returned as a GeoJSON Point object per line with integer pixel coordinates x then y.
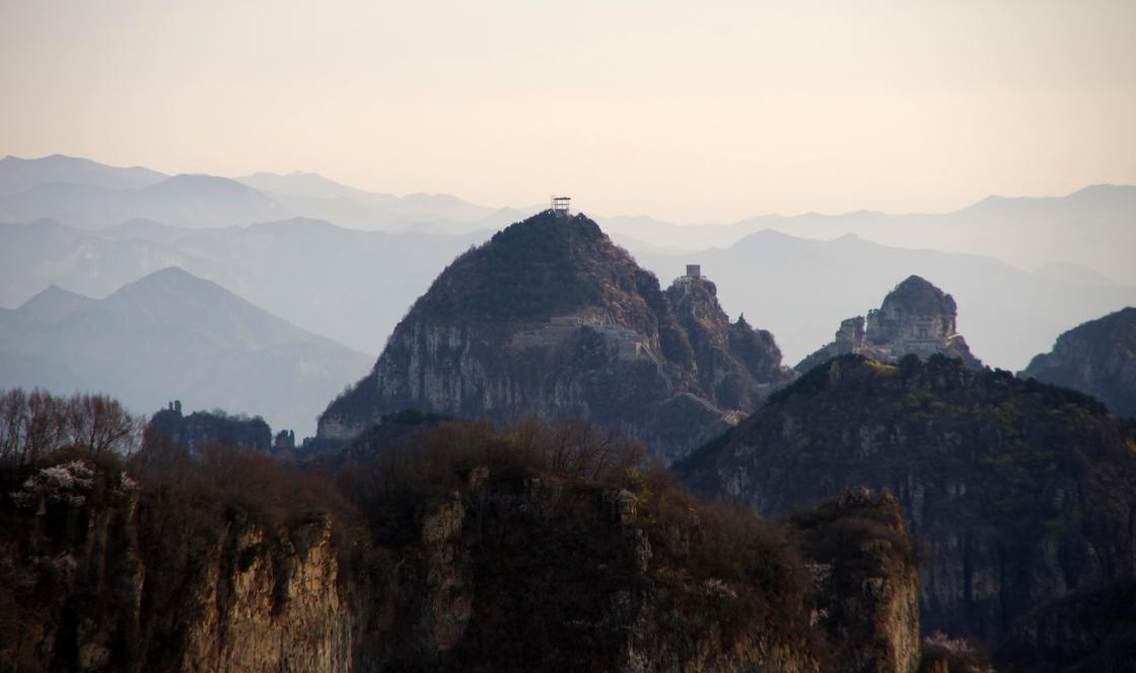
{"type": "Point", "coordinates": [1018, 492]}
{"type": "Point", "coordinates": [86, 588]}
{"type": "Point", "coordinates": [512, 570]}
{"type": "Point", "coordinates": [915, 318]}
{"type": "Point", "coordinates": [1097, 358]}
{"type": "Point", "coordinates": [550, 319]}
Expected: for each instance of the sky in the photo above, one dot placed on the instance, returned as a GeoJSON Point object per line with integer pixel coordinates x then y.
{"type": "Point", "coordinates": [694, 112]}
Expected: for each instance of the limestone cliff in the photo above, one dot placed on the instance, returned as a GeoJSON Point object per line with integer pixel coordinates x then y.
{"type": "Point", "coordinates": [86, 587]}
{"type": "Point", "coordinates": [550, 319]}
{"type": "Point", "coordinates": [1097, 358]}
{"type": "Point", "coordinates": [915, 318]}
{"type": "Point", "coordinates": [1018, 492]}
{"type": "Point", "coordinates": [485, 560]}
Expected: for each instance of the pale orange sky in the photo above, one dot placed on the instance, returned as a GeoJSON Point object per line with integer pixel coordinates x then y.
{"type": "Point", "coordinates": [688, 111]}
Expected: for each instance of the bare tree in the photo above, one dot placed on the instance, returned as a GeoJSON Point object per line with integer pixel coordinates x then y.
{"type": "Point", "coordinates": [32, 425]}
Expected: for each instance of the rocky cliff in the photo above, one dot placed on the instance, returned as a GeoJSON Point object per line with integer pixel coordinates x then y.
{"type": "Point", "coordinates": [202, 428]}
{"type": "Point", "coordinates": [1098, 358]}
{"type": "Point", "coordinates": [95, 578]}
{"type": "Point", "coordinates": [549, 318]}
{"type": "Point", "coordinates": [492, 554]}
{"type": "Point", "coordinates": [1018, 492]}
{"type": "Point", "coordinates": [915, 318]}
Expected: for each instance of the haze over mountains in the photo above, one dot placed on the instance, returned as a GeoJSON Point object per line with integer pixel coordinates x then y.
{"type": "Point", "coordinates": [347, 263]}
{"type": "Point", "coordinates": [171, 335]}
{"type": "Point", "coordinates": [800, 289]}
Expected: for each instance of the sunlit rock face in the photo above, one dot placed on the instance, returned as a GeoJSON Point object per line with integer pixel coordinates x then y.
{"type": "Point", "coordinates": [550, 319]}
{"type": "Point", "coordinates": [916, 318]}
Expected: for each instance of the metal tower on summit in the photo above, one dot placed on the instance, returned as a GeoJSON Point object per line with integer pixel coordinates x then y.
{"type": "Point", "coordinates": [560, 206]}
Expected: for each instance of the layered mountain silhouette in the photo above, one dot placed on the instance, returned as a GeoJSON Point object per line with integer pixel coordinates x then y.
{"type": "Point", "coordinates": [1090, 229]}
{"type": "Point", "coordinates": [352, 286]}
{"type": "Point", "coordinates": [802, 288]}
{"type": "Point", "coordinates": [549, 318]}
{"type": "Point", "coordinates": [19, 175]}
{"type": "Point", "coordinates": [88, 195]}
{"type": "Point", "coordinates": [171, 335]}
{"type": "Point", "coordinates": [1098, 358]}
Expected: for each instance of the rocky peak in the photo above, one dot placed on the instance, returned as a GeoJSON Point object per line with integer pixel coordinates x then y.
{"type": "Point", "coordinates": [915, 309]}
{"type": "Point", "coordinates": [550, 318]}
{"type": "Point", "coordinates": [1098, 358]}
{"type": "Point", "coordinates": [915, 318]}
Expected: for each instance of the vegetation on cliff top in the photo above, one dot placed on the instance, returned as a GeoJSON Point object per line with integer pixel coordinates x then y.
{"type": "Point", "coordinates": [1018, 492]}
{"type": "Point", "coordinates": [575, 546]}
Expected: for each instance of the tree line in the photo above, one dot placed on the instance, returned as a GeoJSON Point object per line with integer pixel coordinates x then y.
{"type": "Point", "coordinates": [35, 424]}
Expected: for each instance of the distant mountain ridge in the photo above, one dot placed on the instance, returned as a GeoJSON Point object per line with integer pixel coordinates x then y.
{"type": "Point", "coordinates": [1091, 227]}
{"type": "Point", "coordinates": [19, 175]}
{"type": "Point", "coordinates": [802, 288]}
{"type": "Point", "coordinates": [171, 335]}
{"type": "Point", "coordinates": [364, 283]}
{"type": "Point", "coordinates": [88, 195]}
{"type": "Point", "coordinates": [1008, 314]}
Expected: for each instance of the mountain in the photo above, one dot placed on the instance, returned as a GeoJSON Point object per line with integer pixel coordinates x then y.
{"type": "Point", "coordinates": [1018, 492]}
{"type": "Point", "coordinates": [352, 286]}
{"type": "Point", "coordinates": [1097, 358]}
{"type": "Point", "coordinates": [89, 195]}
{"type": "Point", "coordinates": [181, 200]}
{"type": "Point", "coordinates": [19, 175]}
{"type": "Point", "coordinates": [171, 335]}
{"type": "Point", "coordinates": [549, 318]}
{"type": "Point", "coordinates": [802, 288]}
{"type": "Point", "coordinates": [470, 552]}
{"type": "Point", "coordinates": [916, 318]}
{"type": "Point", "coordinates": [1091, 228]}
{"type": "Point", "coordinates": [312, 195]}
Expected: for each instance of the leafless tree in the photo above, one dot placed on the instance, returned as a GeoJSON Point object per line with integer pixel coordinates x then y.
{"type": "Point", "coordinates": [32, 425]}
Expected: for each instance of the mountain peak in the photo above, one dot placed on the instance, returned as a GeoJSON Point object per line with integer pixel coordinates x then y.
{"type": "Point", "coordinates": [172, 280]}
{"type": "Point", "coordinates": [201, 182]}
{"type": "Point", "coordinates": [918, 295]}
{"type": "Point", "coordinates": [542, 266]}
{"type": "Point", "coordinates": [53, 303]}
{"type": "Point", "coordinates": [550, 318]}
{"type": "Point", "coordinates": [915, 318]}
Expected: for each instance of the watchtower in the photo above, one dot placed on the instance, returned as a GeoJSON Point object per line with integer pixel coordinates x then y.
{"type": "Point", "coordinates": [693, 270]}
{"type": "Point", "coordinates": [560, 206]}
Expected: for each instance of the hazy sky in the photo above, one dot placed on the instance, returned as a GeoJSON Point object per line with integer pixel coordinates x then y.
{"type": "Point", "coordinates": [687, 110]}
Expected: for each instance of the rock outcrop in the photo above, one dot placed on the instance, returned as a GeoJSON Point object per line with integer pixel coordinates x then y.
{"type": "Point", "coordinates": [513, 569]}
{"type": "Point", "coordinates": [550, 319]}
{"type": "Point", "coordinates": [1097, 358]}
{"type": "Point", "coordinates": [915, 318]}
{"type": "Point", "coordinates": [1017, 492]}
{"type": "Point", "coordinates": [202, 428]}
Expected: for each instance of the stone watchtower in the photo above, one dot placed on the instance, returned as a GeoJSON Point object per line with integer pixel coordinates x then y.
{"type": "Point", "coordinates": [693, 270]}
